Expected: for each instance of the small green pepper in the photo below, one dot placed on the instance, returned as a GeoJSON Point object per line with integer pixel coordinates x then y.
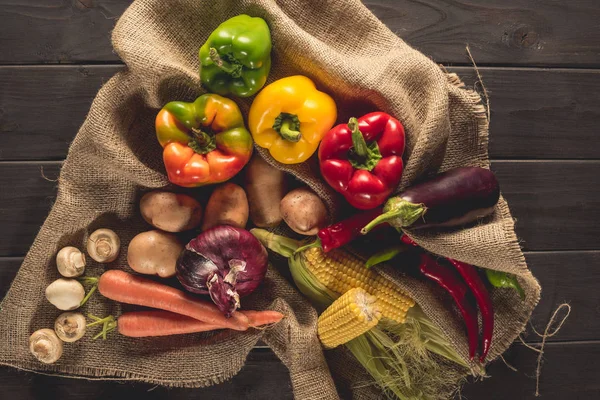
{"type": "Point", "coordinates": [503, 280]}
{"type": "Point", "coordinates": [236, 58]}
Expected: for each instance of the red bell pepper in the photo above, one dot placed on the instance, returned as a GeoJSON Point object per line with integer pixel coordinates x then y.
{"type": "Point", "coordinates": [363, 159]}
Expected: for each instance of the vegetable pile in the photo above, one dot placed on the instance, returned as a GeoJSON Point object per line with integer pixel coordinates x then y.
{"type": "Point", "coordinates": [210, 230]}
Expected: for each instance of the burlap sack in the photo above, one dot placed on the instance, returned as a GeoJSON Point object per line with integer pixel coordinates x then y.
{"type": "Point", "coordinates": [115, 157]}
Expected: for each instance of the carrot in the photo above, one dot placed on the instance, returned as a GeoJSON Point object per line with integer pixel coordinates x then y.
{"type": "Point", "coordinates": [258, 318]}
{"type": "Point", "coordinates": [159, 323]}
{"type": "Point", "coordinates": [163, 323]}
{"type": "Point", "coordinates": [126, 288]}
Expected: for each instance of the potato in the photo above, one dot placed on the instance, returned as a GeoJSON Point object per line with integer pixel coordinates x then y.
{"type": "Point", "coordinates": [171, 212]}
{"type": "Point", "coordinates": [266, 187]}
{"type": "Point", "coordinates": [154, 253]}
{"type": "Point", "coordinates": [227, 205]}
{"type": "Point", "coordinates": [304, 211]}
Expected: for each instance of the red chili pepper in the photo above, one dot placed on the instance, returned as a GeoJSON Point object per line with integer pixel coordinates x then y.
{"type": "Point", "coordinates": [473, 280]}
{"type": "Point", "coordinates": [406, 240]}
{"type": "Point", "coordinates": [363, 159]}
{"type": "Point", "coordinates": [451, 282]}
{"type": "Point", "coordinates": [343, 232]}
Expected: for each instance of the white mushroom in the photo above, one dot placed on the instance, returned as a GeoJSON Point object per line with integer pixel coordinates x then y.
{"type": "Point", "coordinates": [45, 346]}
{"type": "Point", "coordinates": [70, 326]}
{"type": "Point", "coordinates": [70, 262]}
{"type": "Point", "coordinates": [103, 245]}
{"type": "Point", "coordinates": [65, 294]}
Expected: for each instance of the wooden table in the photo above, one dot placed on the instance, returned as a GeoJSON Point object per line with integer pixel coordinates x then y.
{"type": "Point", "coordinates": [539, 61]}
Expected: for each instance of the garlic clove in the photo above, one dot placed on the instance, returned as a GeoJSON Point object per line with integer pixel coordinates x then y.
{"type": "Point", "coordinates": [70, 262]}
{"type": "Point", "coordinates": [103, 245]}
{"type": "Point", "coordinates": [65, 294]}
{"type": "Point", "coordinates": [70, 326]}
{"type": "Point", "coordinates": [45, 346]}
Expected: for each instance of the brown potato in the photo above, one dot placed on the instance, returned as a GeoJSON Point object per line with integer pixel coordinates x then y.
{"type": "Point", "coordinates": [171, 212]}
{"type": "Point", "coordinates": [304, 211]}
{"type": "Point", "coordinates": [265, 186]}
{"type": "Point", "coordinates": [154, 253]}
{"type": "Point", "coordinates": [227, 205]}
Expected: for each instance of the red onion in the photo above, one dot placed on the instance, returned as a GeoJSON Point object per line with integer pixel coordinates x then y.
{"type": "Point", "coordinates": [225, 262]}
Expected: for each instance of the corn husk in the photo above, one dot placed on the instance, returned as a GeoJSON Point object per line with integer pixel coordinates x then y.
{"type": "Point", "coordinates": [407, 361]}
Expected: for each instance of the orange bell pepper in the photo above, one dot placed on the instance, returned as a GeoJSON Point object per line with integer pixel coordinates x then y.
{"type": "Point", "coordinates": [204, 142]}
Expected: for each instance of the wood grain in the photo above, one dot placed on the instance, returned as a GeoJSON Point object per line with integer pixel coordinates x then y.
{"type": "Point", "coordinates": [536, 113]}
{"type": "Point", "coordinates": [571, 277]}
{"type": "Point", "coordinates": [540, 113]}
{"type": "Point", "coordinates": [25, 200]}
{"type": "Point", "coordinates": [507, 32]}
{"type": "Point", "coordinates": [510, 32]}
{"type": "Point", "coordinates": [263, 377]}
{"type": "Point", "coordinates": [61, 96]}
{"type": "Point", "coordinates": [569, 372]}
{"type": "Point", "coordinates": [556, 203]}
{"type": "Point", "coordinates": [58, 31]}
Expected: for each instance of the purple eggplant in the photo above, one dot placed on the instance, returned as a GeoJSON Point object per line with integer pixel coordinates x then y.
{"type": "Point", "coordinates": [454, 198]}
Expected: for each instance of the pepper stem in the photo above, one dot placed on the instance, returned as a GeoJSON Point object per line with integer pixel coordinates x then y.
{"type": "Point", "coordinates": [288, 126]}
{"type": "Point", "coordinates": [358, 140]}
{"type": "Point", "coordinates": [201, 142]}
{"type": "Point", "coordinates": [398, 213]}
{"type": "Point", "coordinates": [288, 133]}
{"type": "Point", "coordinates": [233, 69]}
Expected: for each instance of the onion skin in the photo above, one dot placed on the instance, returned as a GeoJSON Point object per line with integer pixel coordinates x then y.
{"type": "Point", "coordinates": [224, 262]}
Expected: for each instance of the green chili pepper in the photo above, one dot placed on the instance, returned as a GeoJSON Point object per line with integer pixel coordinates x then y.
{"type": "Point", "coordinates": [236, 58]}
{"type": "Point", "coordinates": [503, 280]}
{"type": "Point", "coordinates": [385, 255]}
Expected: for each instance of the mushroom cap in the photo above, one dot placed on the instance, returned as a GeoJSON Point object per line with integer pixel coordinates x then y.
{"type": "Point", "coordinates": [65, 294]}
{"type": "Point", "coordinates": [45, 346]}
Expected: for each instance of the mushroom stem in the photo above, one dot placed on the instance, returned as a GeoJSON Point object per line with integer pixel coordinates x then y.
{"type": "Point", "coordinates": [70, 262]}
{"type": "Point", "coordinates": [70, 326]}
{"type": "Point", "coordinates": [103, 245]}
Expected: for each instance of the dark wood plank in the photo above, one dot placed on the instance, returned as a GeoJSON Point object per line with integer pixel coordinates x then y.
{"type": "Point", "coordinates": [540, 113]}
{"type": "Point", "coordinates": [62, 96]}
{"type": "Point", "coordinates": [57, 31]}
{"type": "Point", "coordinates": [26, 197]}
{"type": "Point", "coordinates": [9, 266]}
{"type": "Point", "coordinates": [536, 113]}
{"type": "Point", "coordinates": [263, 377]}
{"type": "Point", "coordinates": [511, 32]}
{"type": "Point", "coordinates": [556, 203]}
{"type": "Point", "coordinates": [571, 277]}
{"type": "Point", "coordinates": [569, 372]}
{"type": "Point", "coordinates": [508, 32]}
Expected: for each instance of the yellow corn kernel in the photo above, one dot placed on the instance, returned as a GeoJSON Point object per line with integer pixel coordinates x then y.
{"type": "Point", "coordinates": [351, 315]}
{"type": "Point", "coordinates": [340, 271]}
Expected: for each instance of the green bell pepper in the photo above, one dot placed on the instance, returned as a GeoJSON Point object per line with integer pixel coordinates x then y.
{"type": "Point", "coordinates": [236, 58]}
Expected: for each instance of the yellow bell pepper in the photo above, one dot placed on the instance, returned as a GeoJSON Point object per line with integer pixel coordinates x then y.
{"type": "Point", "coordinates": [290, 117]}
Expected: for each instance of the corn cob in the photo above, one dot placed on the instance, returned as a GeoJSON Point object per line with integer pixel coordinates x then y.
{"type": "Point", "coordinates": [351, 315]}
{"type": "Point", "coordinates": [340, 271]}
